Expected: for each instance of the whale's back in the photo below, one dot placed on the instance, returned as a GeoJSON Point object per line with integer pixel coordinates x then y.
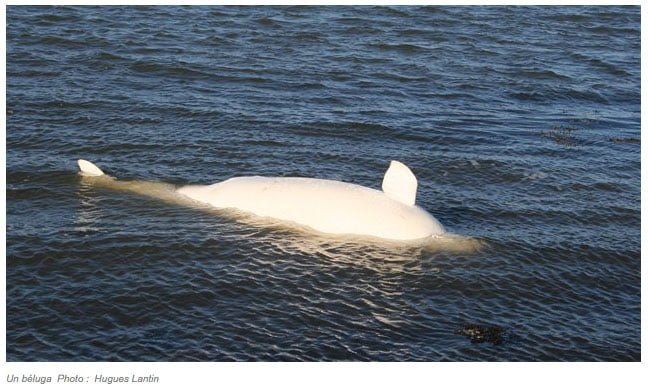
{"type": "Point", "coordinates": [325, 205]}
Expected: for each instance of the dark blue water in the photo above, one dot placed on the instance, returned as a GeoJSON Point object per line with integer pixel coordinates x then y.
{"type": "Point", "coordinates": [522, 125]}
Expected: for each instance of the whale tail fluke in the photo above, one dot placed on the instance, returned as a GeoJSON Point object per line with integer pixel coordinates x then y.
{"type": "Point", "coordinates": [86, 168]}
{"type": "Point", "coordinates": [93, 175]}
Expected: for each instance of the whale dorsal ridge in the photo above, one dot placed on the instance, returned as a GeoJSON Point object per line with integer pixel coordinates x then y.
{"type": "Point", "coordinates": [400, 183]}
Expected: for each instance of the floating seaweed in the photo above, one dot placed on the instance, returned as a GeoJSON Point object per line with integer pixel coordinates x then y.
{"type": "Point", "coordinates": [625, 140]}
{"type": "Point", "coordinates": [563, 135]}
{"type": "Point", "coordinates": [482, 334]}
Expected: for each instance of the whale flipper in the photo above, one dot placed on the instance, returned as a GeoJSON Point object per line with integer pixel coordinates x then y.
{"type": "Point", "coordinates": [86, 168]}
{"type": "Point", "coordinates": [400, 183]}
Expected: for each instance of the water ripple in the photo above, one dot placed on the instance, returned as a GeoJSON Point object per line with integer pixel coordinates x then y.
{"type": "Point", "coordinates": [512, 118]}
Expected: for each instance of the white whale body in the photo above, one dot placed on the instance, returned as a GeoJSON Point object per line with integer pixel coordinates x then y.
{"type": "Point", "coordinates": [326, 206]}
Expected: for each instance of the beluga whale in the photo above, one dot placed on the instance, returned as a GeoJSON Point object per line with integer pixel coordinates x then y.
{"type": "Point", "coordinates": [326, 206]}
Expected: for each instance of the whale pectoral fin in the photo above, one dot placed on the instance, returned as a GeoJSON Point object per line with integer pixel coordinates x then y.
{"type": "Point", "coordinates": [400, 183]}
{"type": "Point", "coordinates": [86, 168]}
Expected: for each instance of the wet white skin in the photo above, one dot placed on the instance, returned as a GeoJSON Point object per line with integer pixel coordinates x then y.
{"type": "Point", "coordinates": [326, 206]}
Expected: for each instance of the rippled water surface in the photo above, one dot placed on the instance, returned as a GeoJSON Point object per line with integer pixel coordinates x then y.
{"type": "Point", "coordinates": [521, 124]}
